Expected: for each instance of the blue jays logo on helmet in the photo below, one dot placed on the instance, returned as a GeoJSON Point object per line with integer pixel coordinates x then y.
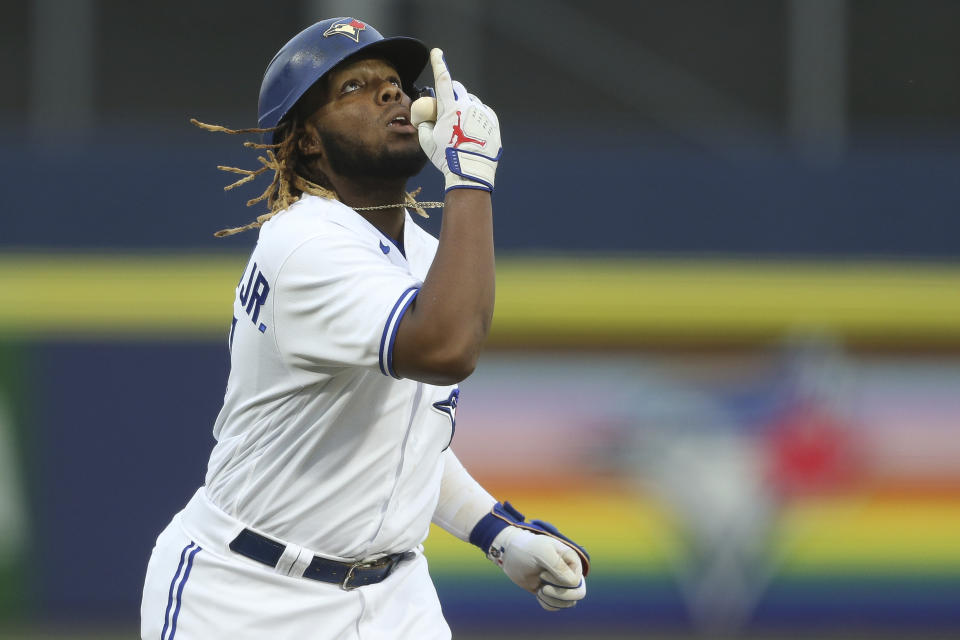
{"type": "Point", "coordinates": [313, 52]}
{"type": "Point", "coordinates": [350, 29]}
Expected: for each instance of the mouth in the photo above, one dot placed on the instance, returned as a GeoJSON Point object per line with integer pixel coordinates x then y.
{"type": "Point", "coordinates": [401, 124]}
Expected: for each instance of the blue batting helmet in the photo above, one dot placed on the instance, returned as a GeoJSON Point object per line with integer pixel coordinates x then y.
{"type": "Point", "coordinates": [319, 48]}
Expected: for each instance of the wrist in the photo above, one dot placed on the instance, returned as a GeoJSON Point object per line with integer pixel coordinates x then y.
{"type": "Point", "coordinates": [501, 516]}
{"type": "Point", "coordinates": [452, 182]}
{"type": "Point", "coordinates": [468, 197]}
{"type": "Point", "coordinates": [470, 169]}
{"type": "Point", "coordinates": [504, 515]}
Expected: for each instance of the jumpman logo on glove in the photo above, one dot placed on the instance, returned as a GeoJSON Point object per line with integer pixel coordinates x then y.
{"type": "Point", "coordinates": [461, 137]}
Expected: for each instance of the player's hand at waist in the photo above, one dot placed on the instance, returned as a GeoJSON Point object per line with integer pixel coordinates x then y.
{"type": "Point", "coordinates": [535, 555]}
{"type": "Point", "coordinates": [462, 136]}
{"type": "Point", "coordinates": [542, 565]}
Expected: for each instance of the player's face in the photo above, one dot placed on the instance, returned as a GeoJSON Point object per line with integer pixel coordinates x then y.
{"type": "Point", "coordinates": [361, 126]}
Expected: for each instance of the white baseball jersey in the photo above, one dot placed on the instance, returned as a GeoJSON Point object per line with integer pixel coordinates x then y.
{"type": "Point", "coordinates": [319, 443]}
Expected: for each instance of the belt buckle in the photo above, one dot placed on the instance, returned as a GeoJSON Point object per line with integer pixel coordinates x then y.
{"type": "Point", "coordinates": [345, 585]}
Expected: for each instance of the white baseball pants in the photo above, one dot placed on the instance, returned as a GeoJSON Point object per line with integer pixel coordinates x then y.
{"type": "Point", "coordinates": [197, 589]}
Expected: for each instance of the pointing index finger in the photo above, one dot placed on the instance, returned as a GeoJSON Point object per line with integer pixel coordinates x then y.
{"type": "Point", "coordinates": [442, 83]}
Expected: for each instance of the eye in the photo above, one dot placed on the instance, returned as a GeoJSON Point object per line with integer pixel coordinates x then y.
{"type": "Point", "coordinates": [350, 86]}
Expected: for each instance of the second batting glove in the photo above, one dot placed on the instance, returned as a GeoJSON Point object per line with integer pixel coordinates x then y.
{"type": "Point", "coordinates": [535, 555]}
{"type": "Point", "coordinates": [542, 565]}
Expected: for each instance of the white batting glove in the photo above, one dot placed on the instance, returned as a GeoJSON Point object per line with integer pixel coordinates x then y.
{"type": "Point", "coordinates": [542, 565]}
{"type": "Point", "coordinates": [463, 140]}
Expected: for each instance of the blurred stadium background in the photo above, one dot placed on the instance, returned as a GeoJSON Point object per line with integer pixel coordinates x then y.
{"type": "Point", "coordinates": [726, 351]}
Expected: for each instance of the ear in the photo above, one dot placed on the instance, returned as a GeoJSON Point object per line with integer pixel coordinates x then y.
{"type": "Point", "coordinates": [309, 143]}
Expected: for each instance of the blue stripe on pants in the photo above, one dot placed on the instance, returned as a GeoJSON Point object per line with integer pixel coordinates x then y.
{"type": "Point", "coordinates": [186, 576]}
{"type": "Point", "coordinates": [166, 615]}
{"type": "Point", "coordinates": [173, 585]}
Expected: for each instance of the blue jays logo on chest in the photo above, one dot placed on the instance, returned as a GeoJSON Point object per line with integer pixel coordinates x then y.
{"type": "Point", "coordinates": [448, 408]}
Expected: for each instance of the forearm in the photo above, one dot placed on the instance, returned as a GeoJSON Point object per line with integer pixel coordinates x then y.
{"type": "Point", "coordinates": [534, 555]}
{"type": "Point", "coordinates": [442, 333]}
{"type": "Point", "coordinates": [463, 502]}
{"type": "Point", "coordinates": [458, 292]}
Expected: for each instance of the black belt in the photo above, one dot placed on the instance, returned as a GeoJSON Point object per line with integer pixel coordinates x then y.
{"type": "Point", "coordinates": [349, 575]}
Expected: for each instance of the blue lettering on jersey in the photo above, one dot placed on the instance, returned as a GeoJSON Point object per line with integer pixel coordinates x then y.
{"type": "Point", "coordinates": [257, 298]}
{"type": "Point", "coordinates": [252, 296]}
{"type": "Point", "coordinates": [245, 291]}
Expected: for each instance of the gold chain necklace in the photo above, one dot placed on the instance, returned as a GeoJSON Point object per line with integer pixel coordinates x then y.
{"type": "Point", "coordinates": [412, 205]}
{"type": "Point", "coordinates": [314, 189]}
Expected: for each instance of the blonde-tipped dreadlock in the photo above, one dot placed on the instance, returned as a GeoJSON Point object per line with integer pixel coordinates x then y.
{"type": "Point", "coordinates": [287, 185]}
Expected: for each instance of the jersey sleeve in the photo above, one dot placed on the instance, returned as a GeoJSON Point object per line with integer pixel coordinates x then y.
{"type": "Point", "coordinates": [339, 304]}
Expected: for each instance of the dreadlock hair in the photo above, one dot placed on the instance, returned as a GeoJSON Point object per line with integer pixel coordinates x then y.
{"type": "Point", "coordinates": [283, 158]}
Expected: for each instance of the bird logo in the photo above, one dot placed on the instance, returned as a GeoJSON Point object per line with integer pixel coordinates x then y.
{"type": "Point", "coordinates": [448, 408]}
{"type": "Point", "coordinates": [350, 29]}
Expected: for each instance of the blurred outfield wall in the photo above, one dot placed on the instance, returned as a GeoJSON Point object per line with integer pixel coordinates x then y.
{"type": "Point", "coordinates": [726, 348]}
{"type": "Point", "coordinates": [558, 190]}
{"type": "Point", "coordinates": [700, 425]}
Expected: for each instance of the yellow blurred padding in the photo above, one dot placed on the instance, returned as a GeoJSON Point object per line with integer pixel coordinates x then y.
{"type": "Point", "coordinates": [621, 533]}
{"type": "Point", "coordinates": [629, 534]}
{"type": "Point", "coordinates": [118, 295]}
{"type": "Point", "coordinates": [631, 300]}
{"type": "Point", "coordinates": [872, 535]}
{"type": "Point", "coordinates": [540, 301]}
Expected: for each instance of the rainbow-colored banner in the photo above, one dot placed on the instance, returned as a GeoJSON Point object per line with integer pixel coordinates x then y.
{"type": "Point", "coordinates": [704, 428]}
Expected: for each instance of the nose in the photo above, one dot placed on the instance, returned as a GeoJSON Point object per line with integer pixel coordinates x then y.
{"type": "Point", "coordinates": [390, 92]}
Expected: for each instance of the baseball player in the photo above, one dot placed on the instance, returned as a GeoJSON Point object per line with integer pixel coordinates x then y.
{"type": "Point", "coordinates": [351, 329]}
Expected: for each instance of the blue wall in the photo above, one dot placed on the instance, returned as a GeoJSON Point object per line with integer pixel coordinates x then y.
{"type": "Point", "coordinates": [119, 446]}
{"type": "Point", "coordinates": [890, 198]}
